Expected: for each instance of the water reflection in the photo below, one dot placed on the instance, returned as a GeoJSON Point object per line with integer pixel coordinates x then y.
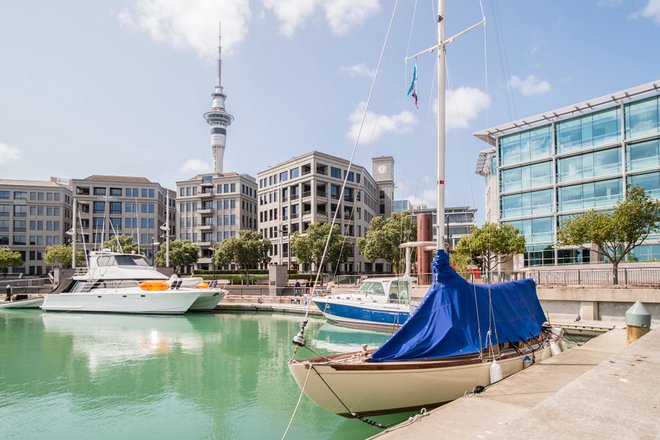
{"type": "Point", "coordinates": [132, 377]}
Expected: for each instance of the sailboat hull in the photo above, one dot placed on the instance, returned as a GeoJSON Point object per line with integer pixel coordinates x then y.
{"type": "Point", "coordinates": [368, 388]}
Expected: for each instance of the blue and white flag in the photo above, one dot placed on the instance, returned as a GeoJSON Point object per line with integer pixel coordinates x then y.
{"type": "Point", "coordinates": [413, 86]}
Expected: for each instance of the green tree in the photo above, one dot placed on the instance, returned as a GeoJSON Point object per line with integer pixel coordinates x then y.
{"type": "Point", "coordinates": [309, 247]}
{"type": "Point", "coordinates": [247, 250]}
{"type": "Point", "coordinates": [10, 259]}
{"type": "Point", "coordinates": [617, 233]}
{"type": "Point", "coordinates": [61, 254]}
{"type": "Point", "coordinates": [385, 236]}
{"type": "Point", "coordinates": [490, 245]}
{"type": "Point", "coordinates": [121, 243]}
{"type": "Point", "coordinates": [182, 253]}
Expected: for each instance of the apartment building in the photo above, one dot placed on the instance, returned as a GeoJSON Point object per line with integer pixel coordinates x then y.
{"type": "Point", "coordinates": [123, 205]}
{"type": "Point", "coordinates": [214, 207]}
{"type": "Point", "coordinates": [308, 189]}
{"type": "Point", "coordinates": [34, 214]}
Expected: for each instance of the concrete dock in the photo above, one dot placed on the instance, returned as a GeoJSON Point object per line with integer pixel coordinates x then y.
{"type": "Point", "coordinates": [602, 389]}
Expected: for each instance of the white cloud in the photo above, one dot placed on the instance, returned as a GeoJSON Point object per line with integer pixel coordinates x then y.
{"type": "Point", "coordinates": [376, 124]}
{"type": "Point", "coordinates": [651, 11]}
{"type": "Point", "coordinates": [463, 105]}
{"type": "Point", "coordinates": [8, 154]}
{"type": "Point", "coordinates": [358, 70]}
{"type": "Point", "coordinates": [194, 166]}
{"type": "Point", "coordinates": [428, 198]}
{"type": "Point", "coordinates": [342, 15]}
{"type": "Point", "coordinates": [530, 85]}
{"type": "Point", "coordinates": [291, 13]}
{"type": "Point", "coordinates": [190, 24]}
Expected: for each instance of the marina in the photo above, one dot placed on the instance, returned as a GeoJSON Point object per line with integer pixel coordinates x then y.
{"type": "Point", "coordinates": [215, 376]}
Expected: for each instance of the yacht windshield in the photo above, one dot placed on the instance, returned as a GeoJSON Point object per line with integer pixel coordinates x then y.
{"type": "Point", "coordinates": [122, 260]}
{"type": "Point", "coordinates": [371, 288]}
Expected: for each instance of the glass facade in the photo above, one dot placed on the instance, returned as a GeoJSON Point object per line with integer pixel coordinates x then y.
{"type": "Point", "coordinates": [526, 177]}
{"type": "Point", "coordinates": [590, 165]}
{"type": "Point", "coordinates": [590, 195]}
{"type": "Point", "coordinates": [643, 155]}
{"type": "Point", "coordinates": [546, 177]}
{"type": "Point", "coordinates": [591, 130]}
{"type": "Point", "coordinates": [650, 182]}
{"type": "Point", "coordinates": [643, 118]}
{"type": "Point", "coordinates": [527, 204]}
{"type": "Point", "coordinates": [536, 230]}
{"type": "Point", "coordinates": [526, 145]}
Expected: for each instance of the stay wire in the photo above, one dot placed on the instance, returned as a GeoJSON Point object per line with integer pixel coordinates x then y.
{"type": "Point", "coordinates": [334, 219]}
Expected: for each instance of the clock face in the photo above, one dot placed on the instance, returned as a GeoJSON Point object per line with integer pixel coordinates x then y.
{"type": "Point", "coordinates": [382, 169]}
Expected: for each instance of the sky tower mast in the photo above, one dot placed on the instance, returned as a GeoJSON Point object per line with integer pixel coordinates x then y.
{"type": "Point", "coordinates": [218, 118]}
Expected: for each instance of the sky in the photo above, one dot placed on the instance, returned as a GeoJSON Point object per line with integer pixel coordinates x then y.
{"type": "Point", "coordinates": [119, 87]}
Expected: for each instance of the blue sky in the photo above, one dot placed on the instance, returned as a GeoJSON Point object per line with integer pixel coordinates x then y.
{"type": "Point", "coordinates": [119, 87]}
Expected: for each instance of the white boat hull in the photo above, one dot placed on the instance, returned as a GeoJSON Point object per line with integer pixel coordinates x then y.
{"type": "Point", "coordinates": [33, 303]}
{"type": "Point", "coordinates": [369, 388]}
{"type": "Point", "coordinates": [207, 300]}
{"type": "Point", "coordinates": [121, 301]}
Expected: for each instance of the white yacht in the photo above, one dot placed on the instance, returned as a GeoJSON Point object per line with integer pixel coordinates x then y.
{"type": "Point", "coordinates": [126, 283]}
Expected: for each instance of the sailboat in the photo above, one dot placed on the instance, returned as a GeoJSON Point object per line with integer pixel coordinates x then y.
{"type": "Point", "coordinates": [460, 338]}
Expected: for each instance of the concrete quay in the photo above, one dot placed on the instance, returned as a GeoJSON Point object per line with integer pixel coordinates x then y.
{"type": "Point", "coordinates": [603, 389]}
{"type": "Point", "coordinates": [272, 304]}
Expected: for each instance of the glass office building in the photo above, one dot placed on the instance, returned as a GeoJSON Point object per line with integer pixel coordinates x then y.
{"type": "Point", "coordinates": [550, 167]}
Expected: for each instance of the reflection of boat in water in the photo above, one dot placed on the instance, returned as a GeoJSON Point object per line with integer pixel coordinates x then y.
{"type": "Point", "coordinates": [126, 283]}
{"type": "Point", "coordinates": [378, 303]}
{"type": "Point", "coordinates": [338, 339]}
{"type": "Point", "coordinates": [111, 339]}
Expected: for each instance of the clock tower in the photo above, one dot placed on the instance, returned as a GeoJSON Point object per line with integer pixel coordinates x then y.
{"type": "Point", "coordinates": [383, 173]}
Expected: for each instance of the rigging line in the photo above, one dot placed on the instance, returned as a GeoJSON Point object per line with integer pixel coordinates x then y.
{"type": "Point", "coordinates": [504, 64]}
{"type": "Point", "coordinates": [350, 163]}
{"type": "Point", "coordinates": [295, 410]}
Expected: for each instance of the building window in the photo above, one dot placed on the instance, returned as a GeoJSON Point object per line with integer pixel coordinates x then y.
{"type": "Point", "coordinates": [335, 172]}
{"type": "Point", "coordinates": [643, 118]}
{"type": "Point", "coordinates": [526, 145]}
{"type": "Point", "coordinates": [99, 207]}
{"type": "Point", "coordinates": [115, 207]}
{"type": "Point", "coordinates": [99, 191]}
{"type": "Point", "coordinates": [590, 195]}
{"type": "Point", "coordinates": [526, 204]}
{"type": "Point", "coordinates": [643, 155]}
{"type": "Point", "coordinates": [294, 172]}
{"type": "Point", "coordinates": [537, 230]}
{"type": "Point", "coordinates": [116, 192]}
{"type": "Point", "coordinates": [649, 182]}
{"type": "Point", "coordinates": [589, 131]}
{"type": "Point", "coordinates": [20, 195]}
{"type": "Point", "coordinates": [530, 176]}
{"type": "Point", "coordinates": [586, 166]}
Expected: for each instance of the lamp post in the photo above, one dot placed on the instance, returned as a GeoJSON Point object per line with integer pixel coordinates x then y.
{"type": "Point", "coordinates": [154, 246]}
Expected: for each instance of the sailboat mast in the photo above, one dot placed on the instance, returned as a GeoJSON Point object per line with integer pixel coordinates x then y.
{"type": "Point", "coordinates": [440, 193]}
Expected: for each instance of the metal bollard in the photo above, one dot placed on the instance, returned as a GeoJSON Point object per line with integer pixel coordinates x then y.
{"type": "Point", "coordinates": [638, 322]}
{"type": "Point", "coordinates": [8, 293]}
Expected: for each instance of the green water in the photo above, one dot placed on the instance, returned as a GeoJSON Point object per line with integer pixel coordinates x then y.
{"type": "Point", "coordinates": [208, 376]}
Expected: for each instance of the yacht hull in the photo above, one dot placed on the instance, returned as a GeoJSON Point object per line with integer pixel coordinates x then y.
{"type": "Point", "coordinates": [207, 300]}
{"type": "Point", "coordinates": [118, 301]}
{"type": "Point", "coordinates": [33, 303]}
{"type": "Point", "coordinates": [346, 386]}
{"type": "Point", "coordinates": [363, 314]}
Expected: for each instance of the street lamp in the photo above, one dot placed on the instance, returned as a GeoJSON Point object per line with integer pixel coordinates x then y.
{"type": "Point", "coordinates": [154, 245]}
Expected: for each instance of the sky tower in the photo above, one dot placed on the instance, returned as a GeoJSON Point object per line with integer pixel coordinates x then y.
{"type": "Point", "coordinates": [218, 118]}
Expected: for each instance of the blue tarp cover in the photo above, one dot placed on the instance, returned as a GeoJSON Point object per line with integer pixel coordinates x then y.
{"type": "Point", "coordinates": [454, 317]}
